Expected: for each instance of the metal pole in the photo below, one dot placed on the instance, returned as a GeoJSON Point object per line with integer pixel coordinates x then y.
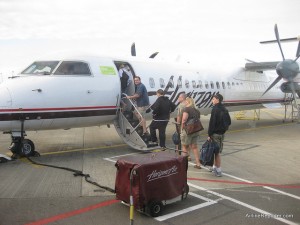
{"type": "Point", "coordinates": [131, 210]}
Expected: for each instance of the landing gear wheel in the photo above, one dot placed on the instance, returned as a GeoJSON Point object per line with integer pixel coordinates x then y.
{"type": "Point", "coordinates": [27, 148]}
{"type": "Point", "coordinates": [155, 208]}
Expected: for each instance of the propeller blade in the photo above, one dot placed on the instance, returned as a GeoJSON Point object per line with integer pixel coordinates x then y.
{"type": "Point", "coordinates": [251, 61]}
{"type": "Point", "coordinates": [274, 82]}
{"type": "Point", "coordinates": [298, 51]}
{"type": "Point", "coordinates": [153, 55]}
{"type": "Point", "coordinates": [281, 40]}
{"type": "Point", "coordinates": [278, 40]}
{"type": "Point", "coordinates": [133, 53]}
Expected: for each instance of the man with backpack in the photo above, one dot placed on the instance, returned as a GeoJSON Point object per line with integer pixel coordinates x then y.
{"type": "Point", "coordinates": [124, 77]}
{"type": "Point", "coordinates": [218, 124]}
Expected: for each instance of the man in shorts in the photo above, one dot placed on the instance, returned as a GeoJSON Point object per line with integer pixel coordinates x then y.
{"type": "Point", "coordinates": [142, 101]}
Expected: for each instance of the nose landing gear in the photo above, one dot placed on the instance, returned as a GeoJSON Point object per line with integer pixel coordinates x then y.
{"type": "Point", "coordinates": [21, 147]}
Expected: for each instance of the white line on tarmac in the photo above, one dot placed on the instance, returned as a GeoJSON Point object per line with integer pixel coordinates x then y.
{"type": "Point", "coordinates": [251, 182]}
{"type": "Point", "coordinates": [110, 159]}
{"type": "Point", "coordinates": [270, 188]}
{"type": "Point", "coordinates": [262, 212]}
{"type": "Point", "coordinates": [189, 209]}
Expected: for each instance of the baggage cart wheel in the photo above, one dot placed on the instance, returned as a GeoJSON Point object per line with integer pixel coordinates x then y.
{"type": "Point", "coordinates": [185, 192]}
{"type": "Point", "coordinates": [155, 208]}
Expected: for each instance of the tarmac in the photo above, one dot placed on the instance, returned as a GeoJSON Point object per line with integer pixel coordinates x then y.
{"type": "Point", "coordinates": [260, 182]}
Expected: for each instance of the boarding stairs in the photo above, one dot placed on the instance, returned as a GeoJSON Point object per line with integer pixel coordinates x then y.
{"type": "Point", "coordinates": [294, 103]}
{"type": "Point", "coordinates": [129, 128]}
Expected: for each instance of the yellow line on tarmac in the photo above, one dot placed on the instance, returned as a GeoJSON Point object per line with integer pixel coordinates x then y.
{"type": "Point", "coordinates": [77, 150]}
{"type": "Point", "coordinates": [258, 128]}
{"type": "Point", "coordinates": [271, 112]}
{"type": "Point", "coordinates": [84, 149]}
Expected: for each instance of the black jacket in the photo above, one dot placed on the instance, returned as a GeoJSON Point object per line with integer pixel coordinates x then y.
{"type": "Point", "coordinates": [215, 123]}
{"type": "Point", "coordinates": [162, 108]}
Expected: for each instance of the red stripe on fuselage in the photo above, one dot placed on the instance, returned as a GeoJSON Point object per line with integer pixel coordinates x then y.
{"type": "Point", "coordinates": [58, 109]}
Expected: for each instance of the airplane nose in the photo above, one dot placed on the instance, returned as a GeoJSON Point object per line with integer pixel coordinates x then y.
{"type": "Point", "coordinates": [5, 99]}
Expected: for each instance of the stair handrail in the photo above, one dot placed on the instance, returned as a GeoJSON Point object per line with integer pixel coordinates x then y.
{"type": "Point", "coordinates": [135, 109]}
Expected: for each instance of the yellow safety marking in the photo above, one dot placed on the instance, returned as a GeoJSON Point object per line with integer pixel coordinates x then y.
{"type": "Point", "coordinates": [24, 160]}
{"type": "Point", "coordinates": [277, 114]}
{"type": "Point", "coordinates": [83, 149]}
{"type": "Point", "coordinates": [257, 128]}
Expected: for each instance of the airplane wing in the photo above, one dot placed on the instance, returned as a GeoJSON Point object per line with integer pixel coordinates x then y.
{"type": "Point", "coordinates": [260, 66]}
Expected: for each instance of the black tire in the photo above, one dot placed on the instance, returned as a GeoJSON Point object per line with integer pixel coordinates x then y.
{"type": "Point", "coordinates": [185, 192]}
{"type": "Point", "coordinates": [155, 208]}
{"type": "Point", "coordinates": [27, 148]}
{"type": "Point", "coordinates": [3, 160]}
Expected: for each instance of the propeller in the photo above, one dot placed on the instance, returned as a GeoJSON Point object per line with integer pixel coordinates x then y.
{"type": "Point", "coordinates": [287, 69]}
{"type": "Point", "coordinates": [153, 55]}
{"type": "Point", "coordinates": [278, 40]}
{"type": "Point", "coordinates": [133, 51]}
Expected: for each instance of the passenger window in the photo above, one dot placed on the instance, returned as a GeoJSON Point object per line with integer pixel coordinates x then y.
{"type": "Point", "coordinates": [228, 85]}
{"type": "Point", "coordinates": [206, 85]}
{"type": "Point", "coordinates": [73, 68]}
{"type": "Point", "coordinates": [151, 82]}
{"type": "Point", "coordinates": [200, 84]}
{"type": "Point", "coordinates": [212, 85]}
{"type": "Point", "coordinates": [218, 85]}
{"type": "Point", "coordinates": [194, 84]}
{"type": "Point", "coordinates": [171, 83]}
{"type": "Point", "coordinates": [223, 85]}
{"type": "Point", "coordinates": [161, 83]}
{"type": "Point", "coordinates": [187, 84]}
{"type": "Point", "coordinates": [179, 83]}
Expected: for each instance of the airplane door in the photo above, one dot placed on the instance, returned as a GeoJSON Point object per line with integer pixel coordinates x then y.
{"type": "Point", "coordinates": [125, 67]}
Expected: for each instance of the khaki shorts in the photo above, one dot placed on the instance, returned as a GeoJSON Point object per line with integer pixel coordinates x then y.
{"type": "Point", "coordinates": [142, 111]}
{"type": "Point", "coordinates": [189, 139]}
{"type": "Point", "coordinates": [219, 138]}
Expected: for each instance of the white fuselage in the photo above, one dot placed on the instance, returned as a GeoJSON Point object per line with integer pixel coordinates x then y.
{"type": "Point", "coordinates": [67, 101]}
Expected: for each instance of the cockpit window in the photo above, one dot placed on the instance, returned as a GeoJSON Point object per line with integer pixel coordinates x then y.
{"type": "Point", "coordinates": [73, 68]}
{"type": "Point", "coordinates": [41, 67]}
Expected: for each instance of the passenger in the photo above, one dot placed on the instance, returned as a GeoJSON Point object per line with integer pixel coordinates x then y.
{"type": "Point", "coordinates": [190, 140]}
{"type": "Point", "coordinates": [123, 78]}
{"type": "Point", "coordinates": [181, 100]}
{"type": "Point", "coordinates": [130, 78]}
{"type": "Point", "coordinates": [162, 108]}
{"type": "Point", "coordinates": [216, 131]}
{"type": "Point", "coordinates": [142, 101]}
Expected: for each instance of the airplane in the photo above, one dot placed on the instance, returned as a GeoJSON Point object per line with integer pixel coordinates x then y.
{"type": "Point", "coordinates": [64, 93]}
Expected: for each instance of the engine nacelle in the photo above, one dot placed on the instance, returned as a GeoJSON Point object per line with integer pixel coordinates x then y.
{"type": "Point", "coordinates": [287, 87]}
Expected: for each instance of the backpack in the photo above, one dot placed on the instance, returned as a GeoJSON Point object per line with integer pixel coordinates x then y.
{"type": "Point", "coordinates": [124, 80]}
{"type": "Point", "coordinates": [207, 152]}
{"type": "Point", "coordinates": [225, 119]}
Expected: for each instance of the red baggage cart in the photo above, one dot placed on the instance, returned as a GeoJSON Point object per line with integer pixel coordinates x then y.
{"type": "Point", "coordinates": [152, 179]}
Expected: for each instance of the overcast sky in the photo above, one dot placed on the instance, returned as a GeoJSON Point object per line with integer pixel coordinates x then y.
{"type": "Point", "coordinates": [196, 30]}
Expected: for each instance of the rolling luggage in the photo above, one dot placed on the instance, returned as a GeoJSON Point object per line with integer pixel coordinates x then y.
{"type": "Point", "coordinates": [152, 179]}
